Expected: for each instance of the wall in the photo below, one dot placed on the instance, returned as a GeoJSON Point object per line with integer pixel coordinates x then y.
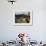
{"type": "Point", "coordinates": [9, 31]}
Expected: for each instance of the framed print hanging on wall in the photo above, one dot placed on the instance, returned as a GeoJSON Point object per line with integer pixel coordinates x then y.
{"type": "Point", "coordinates": [23, 18]}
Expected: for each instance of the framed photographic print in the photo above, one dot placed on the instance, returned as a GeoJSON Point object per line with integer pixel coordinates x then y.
{"type": "Point", "coordinates": [23, 18]}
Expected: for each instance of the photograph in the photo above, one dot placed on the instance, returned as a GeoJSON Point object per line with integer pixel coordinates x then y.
{"type": "Point", "coordinates": [23, 18]}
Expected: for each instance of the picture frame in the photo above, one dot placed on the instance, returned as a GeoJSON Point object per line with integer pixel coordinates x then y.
{"type": "Point", "coordinates": [22, 18]}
